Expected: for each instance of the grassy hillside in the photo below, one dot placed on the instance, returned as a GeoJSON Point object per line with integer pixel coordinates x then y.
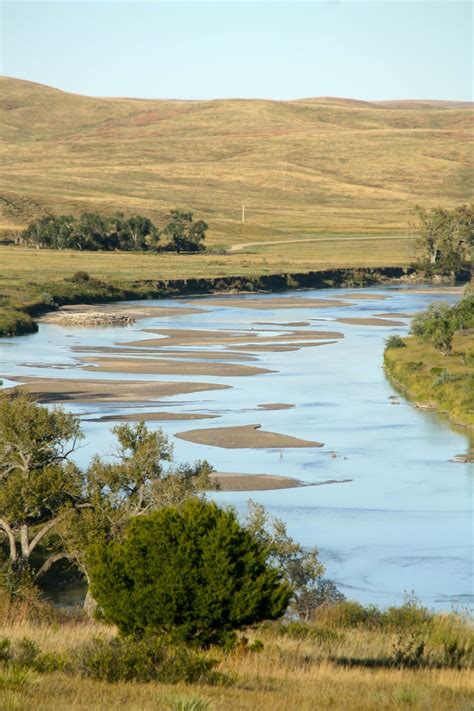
{"type": "Point", "coordinates": [302, 168]}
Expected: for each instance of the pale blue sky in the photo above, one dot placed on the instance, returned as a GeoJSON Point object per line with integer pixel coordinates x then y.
{"type": "Point", "coordinates": [280, 50]}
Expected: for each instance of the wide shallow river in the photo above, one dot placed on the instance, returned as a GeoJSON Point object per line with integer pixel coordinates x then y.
{"type": "Point", "coordinates": [398, 517]}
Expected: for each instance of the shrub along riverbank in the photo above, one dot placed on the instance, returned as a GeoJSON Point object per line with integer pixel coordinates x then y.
{"type": "Point", "coordinates": [435, 365]}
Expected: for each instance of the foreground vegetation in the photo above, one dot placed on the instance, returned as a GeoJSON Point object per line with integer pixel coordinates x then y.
{"type": "Point", "coordinates": [435, 365]}
{"type": "Point", "coordinates": [347, 657]}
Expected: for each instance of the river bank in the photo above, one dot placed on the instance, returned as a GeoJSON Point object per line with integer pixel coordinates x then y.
{"type": "Point", "coordinates": [434, 380]}
{"type": "Point", "coordinates": [20, 309]}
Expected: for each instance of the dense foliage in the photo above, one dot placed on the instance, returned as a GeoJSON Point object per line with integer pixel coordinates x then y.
{"type": "Point", "coordinates": [94, 231]}
{"type": "Point", "coordinates": [50, 509]}
{"type": "Point", "coordinates": [445, 240]}
{"type": "Point", "coordinates": [37, 478]}
{"type": "Point", "coordinates": [438, 324]}
{"type": "Point", "coordinates": [193, 571]}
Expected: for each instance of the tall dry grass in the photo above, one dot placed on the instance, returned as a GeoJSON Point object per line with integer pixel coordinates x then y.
{"type": "Point", "coordinates": [295, 669]}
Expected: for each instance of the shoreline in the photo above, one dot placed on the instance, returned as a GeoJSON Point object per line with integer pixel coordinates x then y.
{"type": "Point", "coordinates": [20, 319]}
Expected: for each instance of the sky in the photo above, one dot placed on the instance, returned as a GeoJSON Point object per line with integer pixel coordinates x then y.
{"type": "Point", "coordinates": [276, 50]}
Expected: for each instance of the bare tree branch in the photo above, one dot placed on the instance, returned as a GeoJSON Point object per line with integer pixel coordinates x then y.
{"type": "Point", "coordinates": [50, 562]}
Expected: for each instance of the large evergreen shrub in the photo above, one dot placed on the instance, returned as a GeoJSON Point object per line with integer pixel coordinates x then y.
{"type": "Point", "coordinates": [193, 572]}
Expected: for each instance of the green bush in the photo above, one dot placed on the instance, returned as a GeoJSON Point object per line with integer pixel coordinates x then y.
{"type": "Point", "coordinates": [347, 613]}
{"type": "Point", "coordinates": [144, 660]}
{"type": "Point", "coordinates": [394, 342]}
{"type": "Point", "coordinates": [15, 323]}
{"type": "Point", "coordinates": [193, 572]}
{"type": "Point", "coordinates": [25, 654]}
{"type": "Point", "coordinates": [80, 277]}
{"type": "Point", "coordinates": [407, 617]}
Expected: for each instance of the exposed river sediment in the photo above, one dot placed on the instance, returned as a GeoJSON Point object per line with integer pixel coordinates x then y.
{"type": "Point", "coordinates": [271, 378]}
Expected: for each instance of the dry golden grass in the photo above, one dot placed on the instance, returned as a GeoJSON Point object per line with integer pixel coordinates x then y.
{"type": "Point", "coordinates": [302, 168]}
{"type": "Point", "coordinates": [287, 674]}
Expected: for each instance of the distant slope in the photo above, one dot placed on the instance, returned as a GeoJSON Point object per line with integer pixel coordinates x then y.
{"type": "Point", "coordinates": [301, 167]}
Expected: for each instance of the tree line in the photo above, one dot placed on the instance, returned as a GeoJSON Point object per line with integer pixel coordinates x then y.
{"type": "Point", "coordinates": [94, 231]}
{"type": "Point", "coordinates": [154, 552]}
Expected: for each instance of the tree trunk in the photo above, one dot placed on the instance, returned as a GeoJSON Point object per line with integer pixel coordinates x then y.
{"type": "Point", "coordinates": [90, 605]}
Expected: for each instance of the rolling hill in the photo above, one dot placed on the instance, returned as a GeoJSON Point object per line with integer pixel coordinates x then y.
{"type": "Point", "coordinates": [303, 168]}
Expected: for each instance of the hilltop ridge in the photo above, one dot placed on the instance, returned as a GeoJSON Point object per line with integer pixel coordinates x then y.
{"type": "Point", "coordinates": [302, 167]}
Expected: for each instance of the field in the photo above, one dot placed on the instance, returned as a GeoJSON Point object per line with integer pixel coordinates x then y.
{"type": "Point", "coordinates": [305, 669]}
{"type": "Point", "coordinates": [303, 169]}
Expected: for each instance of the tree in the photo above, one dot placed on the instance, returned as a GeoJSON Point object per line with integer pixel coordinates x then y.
{"type": "Point", "coordinates": [445, 239]}
{"type": "Point", "coordinates": [184, 234]}
{"type": "Point", "coordinates": [143, 478]}
{"type": "Point", "coordinates": [192, 571]}
{"type": "Point", "coordinates": [137, 233]}
{"type": "Point", "coordinates": [53, 231]}
{"type": "Point", "coordinates": [37, 478]}
{"type": "Point", "coordinates": [302, 569]}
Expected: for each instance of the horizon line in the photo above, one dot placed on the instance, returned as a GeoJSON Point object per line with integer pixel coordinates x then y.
{"type": "Point", "coordinates": [241, 98]}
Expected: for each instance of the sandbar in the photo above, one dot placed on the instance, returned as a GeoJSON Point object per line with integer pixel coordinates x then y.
{"type": "Point", "coordinates": [282, 348]}
{"type": "Point", "coordinates": [365, 296]}
{"type": "Point", "coordinates": [194, 337]}
{"type": "Point", "coordinates": [171, 367]}
{"type": "Point", "coordinates": [287, 324]}
{"type": "Point", "coordinates": [133, 312]}
{"type": "Point", "coordinates": [63, 390]}
{"type": "Point", "coordinates": [394, 315]}
{"type": "Point", "coordinates": [186, 337]}
{"type": "Point", "coordinates": [244, 437]}
{"type": "Point", "coordinates": [370, 322]}
{"type": "Point", "coordinates": [275, 406]}
{"type": "Point", "coordinates": [229, 481]}
{"type": "Point", "coordinates": [153, 417]}
{"type": "Point", "coordinates": [164, 353]}
{"type": "Point", "coordinates": [434, 290]}
{"type": "Point", "coordinates": [286, 302]}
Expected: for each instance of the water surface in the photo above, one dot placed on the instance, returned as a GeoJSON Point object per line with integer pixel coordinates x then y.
{"type": "Point", "coordinates": [404, 521]}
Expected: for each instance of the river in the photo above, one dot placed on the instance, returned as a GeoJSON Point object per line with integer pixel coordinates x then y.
{"type": "Point", "coordinates": [399, 518]}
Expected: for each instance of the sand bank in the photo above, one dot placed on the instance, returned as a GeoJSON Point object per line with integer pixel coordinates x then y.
{"type": "Point", "coordinates": [394, 315]}
{"type": "Point", "coordinates": [370, 322]}
{"type": "Point", "coordinates": [153, 417]}
{"type": "Point", "coordinates": [244, 437]}
{"type": "Point", "coordinates": [288, 324]}
{"type": "Point", "coordinates": [275, 302]}
{"type": "Point", "coordinates": [171, 367]}
{"type": "Point", "coordinates": [275, 406]}
{"type": "Point", "coordinates": [63, 390]}
{"type": "Point", "coordinates": [90, 314]}
{"type": "Point", "coordinates": [363, 296]}
{"type": "Point", "coordinates": [164, 353]}
{"type": "Point", "coordinates": [282, 348]}
{"type": "Point", "coordinates": [229, 481]}
{"type": "Point", "coordinates": [187, 337]}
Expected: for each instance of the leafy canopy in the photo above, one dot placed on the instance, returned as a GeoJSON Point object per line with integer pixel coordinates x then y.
{"type": "Point", "coordinates": [192, 571]}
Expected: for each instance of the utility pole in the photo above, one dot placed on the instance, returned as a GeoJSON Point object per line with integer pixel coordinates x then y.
{"type": "Point", "coordinates": [243, 214]}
